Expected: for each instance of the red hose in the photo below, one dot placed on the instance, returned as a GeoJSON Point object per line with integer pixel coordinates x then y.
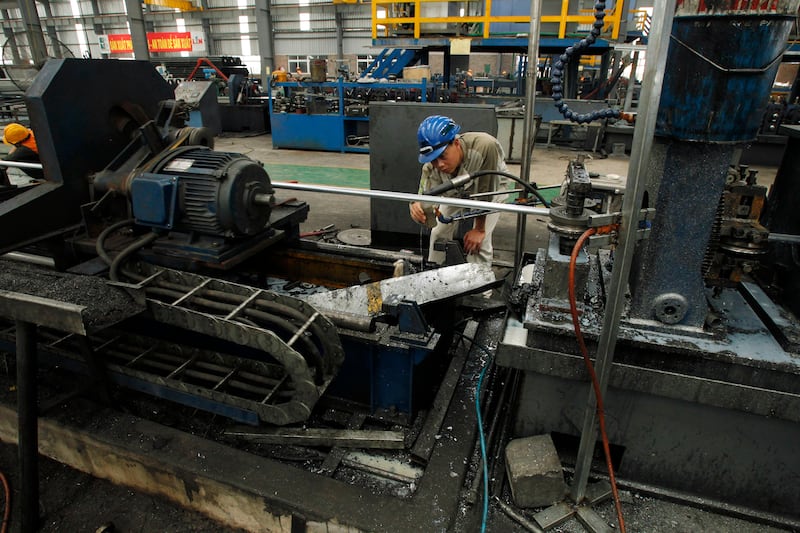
{"type": "Point", "coordinates": [7, 509]}
{"type": "Point", "coordinates": [573, 307]}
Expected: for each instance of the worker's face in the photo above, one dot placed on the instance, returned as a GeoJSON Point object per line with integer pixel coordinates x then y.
{"type": "Point", "coordinates": [450, 159]}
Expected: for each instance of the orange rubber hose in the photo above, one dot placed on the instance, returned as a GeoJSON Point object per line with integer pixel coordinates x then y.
{"type": "Point", "coordinates": [573, 307]}
{"type": "Point", "coordinates": [7, 509]}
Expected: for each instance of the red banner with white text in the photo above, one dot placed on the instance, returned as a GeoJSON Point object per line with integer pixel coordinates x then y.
{"type": "Point", "coordinates": [167, 41]}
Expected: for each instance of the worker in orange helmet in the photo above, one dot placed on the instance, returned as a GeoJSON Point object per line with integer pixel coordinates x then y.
{"type": "Point", "coordinates": [24, 151]}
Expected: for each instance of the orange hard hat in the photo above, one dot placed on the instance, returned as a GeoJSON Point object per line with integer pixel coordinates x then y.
{"type": "Point", "coordinates": [15, 133]}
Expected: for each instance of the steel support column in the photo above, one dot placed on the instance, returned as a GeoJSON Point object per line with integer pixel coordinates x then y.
{"type": "Point", "coordinates": [138, 32]}
{"type": "Point", "coordinates": [33, 28]}
{"type": "Point", "coordinates": [266, 38]}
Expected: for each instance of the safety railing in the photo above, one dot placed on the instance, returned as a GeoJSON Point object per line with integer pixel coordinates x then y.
{"type": "Point", "coordinates": [391, 16]}
{"type": "Point", "coordinates": [641, 20]}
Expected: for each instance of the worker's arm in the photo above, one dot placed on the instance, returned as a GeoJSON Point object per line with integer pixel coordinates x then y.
{"type": "Point", "coordinates": [473, 239]}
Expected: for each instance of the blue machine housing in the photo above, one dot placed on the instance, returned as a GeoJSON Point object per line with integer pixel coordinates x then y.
{"type": "Point", "coordinates": [154, 200]}
{"type": "Point", "coordinates": [720, 76]}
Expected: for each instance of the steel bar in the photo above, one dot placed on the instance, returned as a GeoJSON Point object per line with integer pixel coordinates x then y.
{"type": "Point", "coordinates": [20, 164]}
{"type": "Point", "coordinates": [528, 134]}
{"type": "Point", "coordinates": [498, 472]}
{"type": "Point", "coordinates": [343, 438]}
{"type": "Point", "coordinates": [592, 521]}
{"type": "Point", "coordinates": [521, 520]}
{"type": "Point", "coordinates": [244, 304]}
{"type": "Point", "coordinates": [423, 445]}
{"type": "Point", "coordinates": [490, 405]}
{"type": "Point", "coordinates": [385, 467]}
{"type": "Point", "coordinates": [302, 329]}
{"type": "Point", "coordinates": [403, 197]}
{"type": "Point", "coordinates": [784, 330]}
{"type": "Point", "coordinates": [359, 252]}
{"type": "Point", "coordinates": [191, 292]}
{"type": "Point", "coordinates": [658, 45]}
{"type": "Point", "coordinates": [554, 515]}
{"type": "Point", "coordinates": [32, 259]}
{"type": "Point", "coordinates": [336, 455]}
{"type": "Point", "coordinates": [783, 237]}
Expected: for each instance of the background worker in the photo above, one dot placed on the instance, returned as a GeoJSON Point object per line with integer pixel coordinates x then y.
{"type": "Point", "coordinates": [446, 155]}
{"type": "Point", "coordinates": [24, 151]}
{"type": "Point", "coordinates": [280, 75]}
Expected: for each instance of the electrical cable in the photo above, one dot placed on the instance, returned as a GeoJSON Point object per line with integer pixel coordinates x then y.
{"type": "Point", "coordinates": [530, 187]}
{"type": "Point", "coordinates": [482, 438]}
{"type": "Point", "coordinates": [590, 367]}
{"type": "Point", "coordinates": [557, 73]}
{"type": "Point", "coordinates": [131, 249]}
{"type": "Point", "coordinates": [99, 245]}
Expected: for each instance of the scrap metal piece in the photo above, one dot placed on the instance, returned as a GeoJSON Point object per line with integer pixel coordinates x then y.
{"type": "Point", "coordinates": [336, 455]}
{"type": "Point", "coordinates": [592, 521]}
{"type": "Point", "coordinates": [780, 323]}
{"type": "Point", "coordinates": [344, 438]}
{"type": "Point", "coordinates": [554, 515]}
{"type": "Point", "coordinates": [423, 288]}
{"type": "Point", "coordinates": [385, 467]}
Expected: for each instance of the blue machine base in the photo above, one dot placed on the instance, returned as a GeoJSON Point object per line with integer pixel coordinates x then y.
{"type": "Point", "coordinates": [389, 375]}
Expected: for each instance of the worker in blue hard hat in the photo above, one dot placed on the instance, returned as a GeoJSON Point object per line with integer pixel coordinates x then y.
{"type": "Point", "coordinates": [23, 150]}
{"type": "Point", "coordinates": [448, 159]}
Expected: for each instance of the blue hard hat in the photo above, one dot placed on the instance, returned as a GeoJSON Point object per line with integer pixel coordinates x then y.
{"type": "Point", "coordinates": [433, 135]}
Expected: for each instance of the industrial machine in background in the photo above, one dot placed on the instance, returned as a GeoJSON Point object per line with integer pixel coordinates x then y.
{"type": "Point", "coordinates": [334, 115]}
{"type": "Point", "coordinates": [703, 390]}
{"type": "Point", "coordinates": [242, 108]}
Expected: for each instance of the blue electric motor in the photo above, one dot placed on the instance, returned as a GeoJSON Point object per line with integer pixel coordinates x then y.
{"type": "Point", "coordinates": [196, 189]}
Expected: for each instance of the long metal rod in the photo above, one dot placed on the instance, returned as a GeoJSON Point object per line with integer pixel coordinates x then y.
{"type": "Point", "coordinates": [404, 197]}
{"type": "Point", "coordinates": [658, 45]}
{"type": "Point", "coordinates": [32, 259]}
{"type": "Point", "coordinates": [529, 122]}
{"type": "Point", "coordinates": [19, 164]}
{"type": "Point", "coordinates": [783, 237]}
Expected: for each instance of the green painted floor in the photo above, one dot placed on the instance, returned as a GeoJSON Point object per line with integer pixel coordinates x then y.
{"type": "Point", "coordinates": [345, 177]}
{"type": "Point", "coordinates": [341, 177]}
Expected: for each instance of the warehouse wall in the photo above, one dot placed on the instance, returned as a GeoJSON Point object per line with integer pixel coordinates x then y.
{"type": "Point", "coordinates": [229, 29]}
